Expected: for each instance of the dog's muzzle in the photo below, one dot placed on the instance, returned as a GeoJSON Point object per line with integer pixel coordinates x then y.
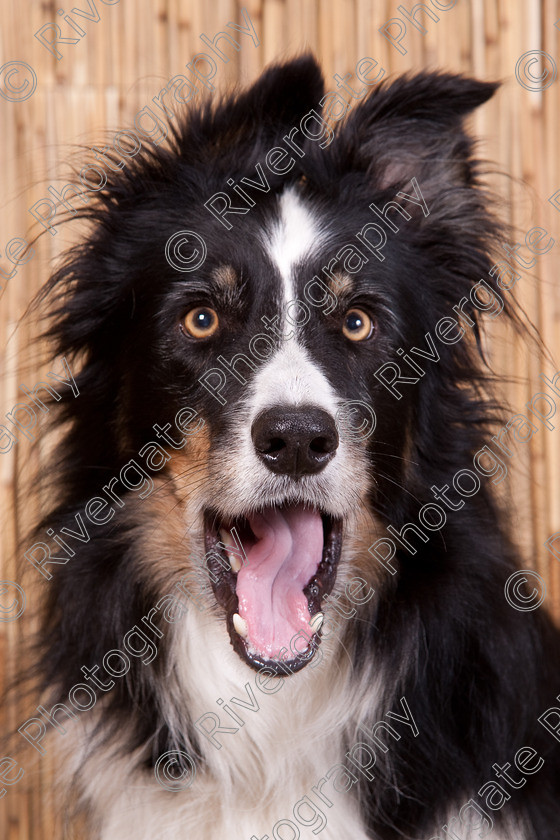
{"type": "Point", "coordinates": [272, 590]}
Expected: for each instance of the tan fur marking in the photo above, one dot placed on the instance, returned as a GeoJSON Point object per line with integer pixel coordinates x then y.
{"type": "Point", "coordinates": [340, 284]}
{"type": "Point", "coordinates": [225, 277]}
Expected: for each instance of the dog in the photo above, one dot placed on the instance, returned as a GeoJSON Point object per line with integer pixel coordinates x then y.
{"type": "Point", "coordinates": [275, 602]}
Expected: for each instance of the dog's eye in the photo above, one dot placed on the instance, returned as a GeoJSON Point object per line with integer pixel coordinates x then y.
{"type": "Point", "coordinates": [201, 322]}
{"type": "Point", "coordinates": [357, 326]}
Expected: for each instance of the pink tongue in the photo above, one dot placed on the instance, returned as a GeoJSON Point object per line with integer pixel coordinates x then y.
{"type": "Point", "coordinates": [287, 553]}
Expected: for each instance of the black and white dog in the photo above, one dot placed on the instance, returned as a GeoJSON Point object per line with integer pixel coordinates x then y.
{"type": "Point", "coordinates": [276, 574]}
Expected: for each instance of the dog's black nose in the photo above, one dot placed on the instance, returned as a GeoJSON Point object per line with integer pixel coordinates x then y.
{"type": "Point", "coordinates": [295, 441]}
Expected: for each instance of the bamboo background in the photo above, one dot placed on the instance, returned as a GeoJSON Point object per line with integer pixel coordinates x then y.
{"type": "Point", "coordinates": [120, 64]}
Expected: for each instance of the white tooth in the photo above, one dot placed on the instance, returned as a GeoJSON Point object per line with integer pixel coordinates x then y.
{"type": "Point", "coordinates": [240, 625]}
{"type": "Point", "coordinates": [227, 540]}
{"type": "Point", "coordinates": [225, 537]}
{"type": "Point", "coordinates": [316, 622]}
{"type": "Point", "coordinates": [234, 561]}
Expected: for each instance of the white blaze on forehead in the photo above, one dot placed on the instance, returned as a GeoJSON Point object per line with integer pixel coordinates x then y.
{"type": "Point", "coordinates": [291, 378]}
{"type": "Point", "coordinates": [294, 235]}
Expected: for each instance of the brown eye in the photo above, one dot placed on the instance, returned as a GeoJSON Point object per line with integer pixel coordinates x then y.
{"type": "Point", "coordinates": [357, 325]}
{"type": "Point", "coordinates": [201, 322]}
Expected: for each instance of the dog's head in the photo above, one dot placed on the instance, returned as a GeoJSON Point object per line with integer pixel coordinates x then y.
{"type": "Point", "coordinates": [244, 307]}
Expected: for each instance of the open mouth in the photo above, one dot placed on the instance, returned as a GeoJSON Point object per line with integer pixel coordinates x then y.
{"type": "Point", "coordinates": [270, 571]}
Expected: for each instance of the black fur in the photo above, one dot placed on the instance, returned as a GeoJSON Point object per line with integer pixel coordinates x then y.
{"type": "Point", "coordinates": [476, 673]}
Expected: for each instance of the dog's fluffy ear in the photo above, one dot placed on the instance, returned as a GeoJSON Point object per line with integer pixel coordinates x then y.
{"type": "Point", "coordinates": [261, 114]}
{"type": "Point", "coordinates": [413, 127]}
{"type": "Point", "coordinates": [285, 92]}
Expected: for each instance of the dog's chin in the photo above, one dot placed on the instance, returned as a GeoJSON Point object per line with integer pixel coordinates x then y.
{"type": "Point", "coordinates": [272, 589]}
